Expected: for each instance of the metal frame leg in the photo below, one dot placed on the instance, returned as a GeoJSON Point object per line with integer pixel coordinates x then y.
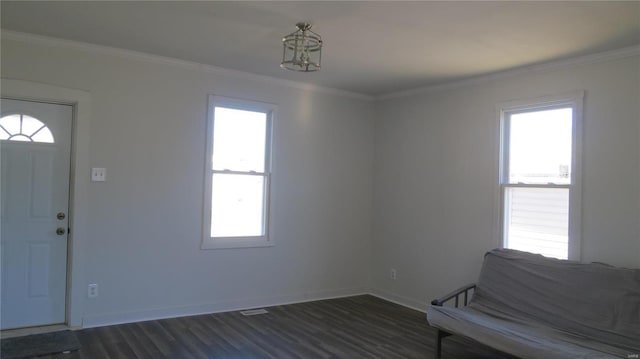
{"type": "Point", "coordinates": [441, 334]}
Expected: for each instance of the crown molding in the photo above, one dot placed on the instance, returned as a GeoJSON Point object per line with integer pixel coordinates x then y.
{"type": "Point", "coordinates": [157, 59]}
{"type": "Point", "coordinates": [542, 67]}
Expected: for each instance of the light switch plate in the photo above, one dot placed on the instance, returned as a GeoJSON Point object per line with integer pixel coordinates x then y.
{"type": "Point", "coordinates": [98, 174]}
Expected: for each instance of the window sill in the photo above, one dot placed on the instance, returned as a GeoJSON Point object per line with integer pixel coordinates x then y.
{"type": "Point", "coordinates": [236, 242]}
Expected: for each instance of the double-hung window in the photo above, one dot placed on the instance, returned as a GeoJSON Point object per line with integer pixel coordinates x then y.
{"type": "Point", "coordinates": [539, 176]}
{"type": "Point", "coordinates": [237, 176]}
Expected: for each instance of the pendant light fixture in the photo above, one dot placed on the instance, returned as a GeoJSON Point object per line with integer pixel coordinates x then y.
{"type": "Point", "coordinates": [302, 49]}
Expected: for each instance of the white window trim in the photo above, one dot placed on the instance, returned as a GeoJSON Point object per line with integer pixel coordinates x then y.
{"type": "Point", "coordinates": [265, 240]}
{"type": "Point", "coordinates": [574, 100]}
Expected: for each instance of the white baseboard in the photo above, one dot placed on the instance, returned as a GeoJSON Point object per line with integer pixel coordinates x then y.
{"type": "Point", "coordinates": [403, 301]}
{"type": "Point", "coordinates": [99, 320]}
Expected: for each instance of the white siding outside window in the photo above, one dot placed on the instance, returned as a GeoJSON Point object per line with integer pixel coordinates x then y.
{"type": "Point", "coordinates": [537, 220]}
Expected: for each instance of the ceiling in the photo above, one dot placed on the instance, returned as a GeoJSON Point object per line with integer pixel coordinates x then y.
{"type": "Point", "coordinates": [371, 48]}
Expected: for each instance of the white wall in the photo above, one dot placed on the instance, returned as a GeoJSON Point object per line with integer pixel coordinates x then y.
{"type": "Point", "coordinates": [147, 129]}
{"type": "Point", "coordinates": [435, 176]}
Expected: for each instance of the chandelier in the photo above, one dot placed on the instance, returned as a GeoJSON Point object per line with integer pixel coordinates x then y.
{"type": "Point", "coordinates": [302, 49]}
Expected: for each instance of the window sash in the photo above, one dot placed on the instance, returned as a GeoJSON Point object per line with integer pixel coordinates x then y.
{"type": "Point", "coordinates": [505, 138]}
{"type": "Point", "coordinates": [264, 210]}
{"type": "Point", "coordinates": [527, 212]}
{"type": "Point", "coordinates": [248, 173]}
{"type": "Point", "coordinates": [265, 159]}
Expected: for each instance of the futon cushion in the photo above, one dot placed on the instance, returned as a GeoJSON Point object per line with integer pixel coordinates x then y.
{"type": "Point", "coordinates": [522, 338]}
{"type": "Point", "coordinates": [539, 303]}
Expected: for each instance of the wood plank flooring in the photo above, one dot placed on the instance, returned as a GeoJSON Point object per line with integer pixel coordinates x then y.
{"type": "Point", "coordinates": [354, 327]}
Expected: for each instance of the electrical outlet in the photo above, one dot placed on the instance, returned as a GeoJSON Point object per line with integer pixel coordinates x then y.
{"type": "Point", "coordinates": [393, 274]}
{"type": "Point", "coordinates": [92, 291]}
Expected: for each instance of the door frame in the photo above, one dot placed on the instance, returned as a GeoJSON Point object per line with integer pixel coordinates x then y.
{"type": "Point", "coordinates": [79, 180]}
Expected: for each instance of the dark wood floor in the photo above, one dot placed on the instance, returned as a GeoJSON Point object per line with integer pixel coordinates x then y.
{"type": "Point", "coordinates": [355, 327]}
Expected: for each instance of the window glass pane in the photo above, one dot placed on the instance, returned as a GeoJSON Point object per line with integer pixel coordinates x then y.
{"type": "Point", "coordinates": [239, 140]}
{"type": "Point", "coordinates": [43, 135]}
{"type": "Point", "coordinates": [540, 147]}
{"type": "Point", "coordinates": [21, 138]}
{"type": "Point", "coordinates": [537, 220]}
{"type": "Point", "coordinates": [11, 124]}
{"type": "Point", "coordinates": [237, 205]}
{"type": "Point", "coordinates": [30, 125]}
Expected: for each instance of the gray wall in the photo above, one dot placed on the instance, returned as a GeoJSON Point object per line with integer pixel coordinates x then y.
{"type": "Point", "coordinates": [435, 177]}
{"type": "Point", "coordinates": [427, 206]}
{"type": "Point", "coordinates": [147, 129]}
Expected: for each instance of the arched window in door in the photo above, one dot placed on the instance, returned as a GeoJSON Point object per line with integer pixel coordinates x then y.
{"type": "Point", "coordinates": [20, 127]}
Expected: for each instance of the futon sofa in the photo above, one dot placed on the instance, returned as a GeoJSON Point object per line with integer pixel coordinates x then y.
{"type": "Point", "coordinates": [532, 306]}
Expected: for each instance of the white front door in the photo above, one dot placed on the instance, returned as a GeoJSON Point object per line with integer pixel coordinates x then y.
{"type": "Point", "coordinates": [35, 148]}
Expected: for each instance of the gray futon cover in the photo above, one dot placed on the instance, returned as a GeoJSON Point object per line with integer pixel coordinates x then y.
{"type": "Point", "coordinates": [537, 307]}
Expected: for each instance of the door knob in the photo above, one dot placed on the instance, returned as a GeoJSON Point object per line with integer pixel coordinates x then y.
{"type": "Point", "coordinates": [60, 231]}
{"type": "Point", "coordinates": [61, 215]}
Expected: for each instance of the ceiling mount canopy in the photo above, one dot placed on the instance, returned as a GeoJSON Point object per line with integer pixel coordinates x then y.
{"type": "Point", "coordinates": [302, 49]}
